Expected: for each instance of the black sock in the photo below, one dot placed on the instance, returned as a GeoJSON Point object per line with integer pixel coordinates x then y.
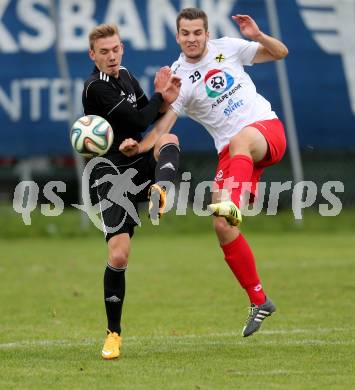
{"type": "Point", "coordinates": [167, 164]}
{"type": "Point", "coordinates": [114, 292]}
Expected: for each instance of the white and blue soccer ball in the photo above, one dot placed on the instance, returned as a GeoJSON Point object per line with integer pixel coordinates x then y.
{"type": "Point", "coordinates": [91, 136]}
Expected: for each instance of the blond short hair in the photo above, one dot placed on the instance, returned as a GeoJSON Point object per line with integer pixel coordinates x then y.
{"type": "Point", "coordinates": [102, 31]}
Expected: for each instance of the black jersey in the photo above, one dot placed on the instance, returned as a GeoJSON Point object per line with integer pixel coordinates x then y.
{"type": "Point", "coordinates": [122, 102]}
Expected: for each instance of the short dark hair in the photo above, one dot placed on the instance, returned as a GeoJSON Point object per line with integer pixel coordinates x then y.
{"type": "Point", "coordinates": [192, 14]}
{"type": "Point", "coordinates": [102, 31]}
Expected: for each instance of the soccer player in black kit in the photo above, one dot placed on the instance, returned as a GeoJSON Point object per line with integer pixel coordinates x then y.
{"type": "Point", "coordinates": [114, 94]}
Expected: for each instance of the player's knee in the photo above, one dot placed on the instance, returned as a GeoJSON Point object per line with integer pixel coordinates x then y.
{"type": "Point", "coordinates": [240, 144]}
{"type": "Point", "coordinates": [223, 230]}
{"type": "Point", "coordinates": [169, 139]}
{"type": "Point", "coordinates": [118, 258]}
{"type": "Point", "coordinates": [221, 226]}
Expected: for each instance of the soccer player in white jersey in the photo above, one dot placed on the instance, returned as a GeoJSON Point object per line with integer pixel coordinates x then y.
{"type": "Point", "coordinates": [219, 94]}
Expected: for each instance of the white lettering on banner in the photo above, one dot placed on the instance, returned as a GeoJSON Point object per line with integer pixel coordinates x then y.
{"type": "Point", "coordinates": [55, 109]}
{"type": "Point", "coordinates": [76, 18]}
{"type": "Point", "coordinates": [12, 104]}
{"type": "Point", "coordinates": [219, 19]}
{"type": "Point", "coordinates": [77, 15]}
{"type": "Point", "coordinates": [125, 14]}
{"type": "Point", "coordinates": [27, 98]}
{"type": "Point", "coordinates": [77, 97]}
{"type": "Point", "coordinates": [187, 4]}
{"type": "Point", "coordinates": [35, 86]}
{"type": "Point", "coordinates": [7, 43]}
{"type": "Point", "coordinates": [38, 21]}
{"type": "Point", "coordinates": [58, 101]}
{"type": "Point", "coordinates": [333, 25]}
{"type": "Point", "coordinates": [162, 14]}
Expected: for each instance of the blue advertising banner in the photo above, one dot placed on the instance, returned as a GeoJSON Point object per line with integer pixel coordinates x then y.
{"type": "Point", "coordinates": [34, 111]}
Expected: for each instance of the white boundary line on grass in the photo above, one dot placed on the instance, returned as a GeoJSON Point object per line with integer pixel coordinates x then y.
{"type": "Point", "coordinates": [128, 339]}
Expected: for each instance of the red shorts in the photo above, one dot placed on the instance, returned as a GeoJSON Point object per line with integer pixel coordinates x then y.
{"type": "Point", "coordinates": [273, 131]}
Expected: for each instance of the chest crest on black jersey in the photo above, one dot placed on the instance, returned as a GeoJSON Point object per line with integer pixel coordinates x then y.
{"type": "Point", "coordinates": [220, 57]}
{"type": "Point", "coordinates": [132, 98]}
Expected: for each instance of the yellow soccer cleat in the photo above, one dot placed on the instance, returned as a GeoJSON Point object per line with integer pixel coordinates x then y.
{"type": "Point", "coordinates": [157, 202]}
{"type": "Point", "coordinates": [111, 348]}
{"type": "Point", "coordinates": [228, 210]}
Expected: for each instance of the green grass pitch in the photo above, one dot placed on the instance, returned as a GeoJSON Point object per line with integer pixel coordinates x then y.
{"type": "Point", "coordinates": [183, 313]}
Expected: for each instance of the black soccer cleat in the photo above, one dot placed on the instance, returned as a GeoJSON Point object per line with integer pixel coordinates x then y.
{"type": "Point", "coordinates": [256, 316]}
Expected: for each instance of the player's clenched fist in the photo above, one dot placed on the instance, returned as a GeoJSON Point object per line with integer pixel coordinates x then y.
{"type": "Point", "coordinates": [129, 147]}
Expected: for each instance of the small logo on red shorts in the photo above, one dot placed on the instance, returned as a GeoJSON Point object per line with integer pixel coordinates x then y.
{"type": "Point", "coordinates": [219, 175]}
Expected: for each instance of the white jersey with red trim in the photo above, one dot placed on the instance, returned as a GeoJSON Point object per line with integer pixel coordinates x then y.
{"type": "Point", "coordinates": [218, 93]}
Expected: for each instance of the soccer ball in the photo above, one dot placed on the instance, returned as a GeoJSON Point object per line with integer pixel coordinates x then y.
{"type": "Point", "coordinates": [91, 136]}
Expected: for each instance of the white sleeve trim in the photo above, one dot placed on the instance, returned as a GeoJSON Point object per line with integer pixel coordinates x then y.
{"type": "Point", "coordinates": [86, 92]}
{"type": "Point", "coordinates": [175, 109]}
{"type": "Point", "coordinates": [140, 96]}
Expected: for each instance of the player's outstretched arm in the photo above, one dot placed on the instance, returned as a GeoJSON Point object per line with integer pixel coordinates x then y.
{"type": "Point", "coordinates": [162, 126]}
{"type": "Point", "coordinates": [270, 49]}
{"type": "Point", "coordinates": [130, 147]}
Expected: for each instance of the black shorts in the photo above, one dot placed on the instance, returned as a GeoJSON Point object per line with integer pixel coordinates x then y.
{"type": "Point", "coordinates": [119, 187]}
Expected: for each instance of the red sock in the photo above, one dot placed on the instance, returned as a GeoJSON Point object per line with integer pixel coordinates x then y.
{"type": "Point", "coordinates": [241, 168]}
{"type": "Point", "coordinates": [241, 261]}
